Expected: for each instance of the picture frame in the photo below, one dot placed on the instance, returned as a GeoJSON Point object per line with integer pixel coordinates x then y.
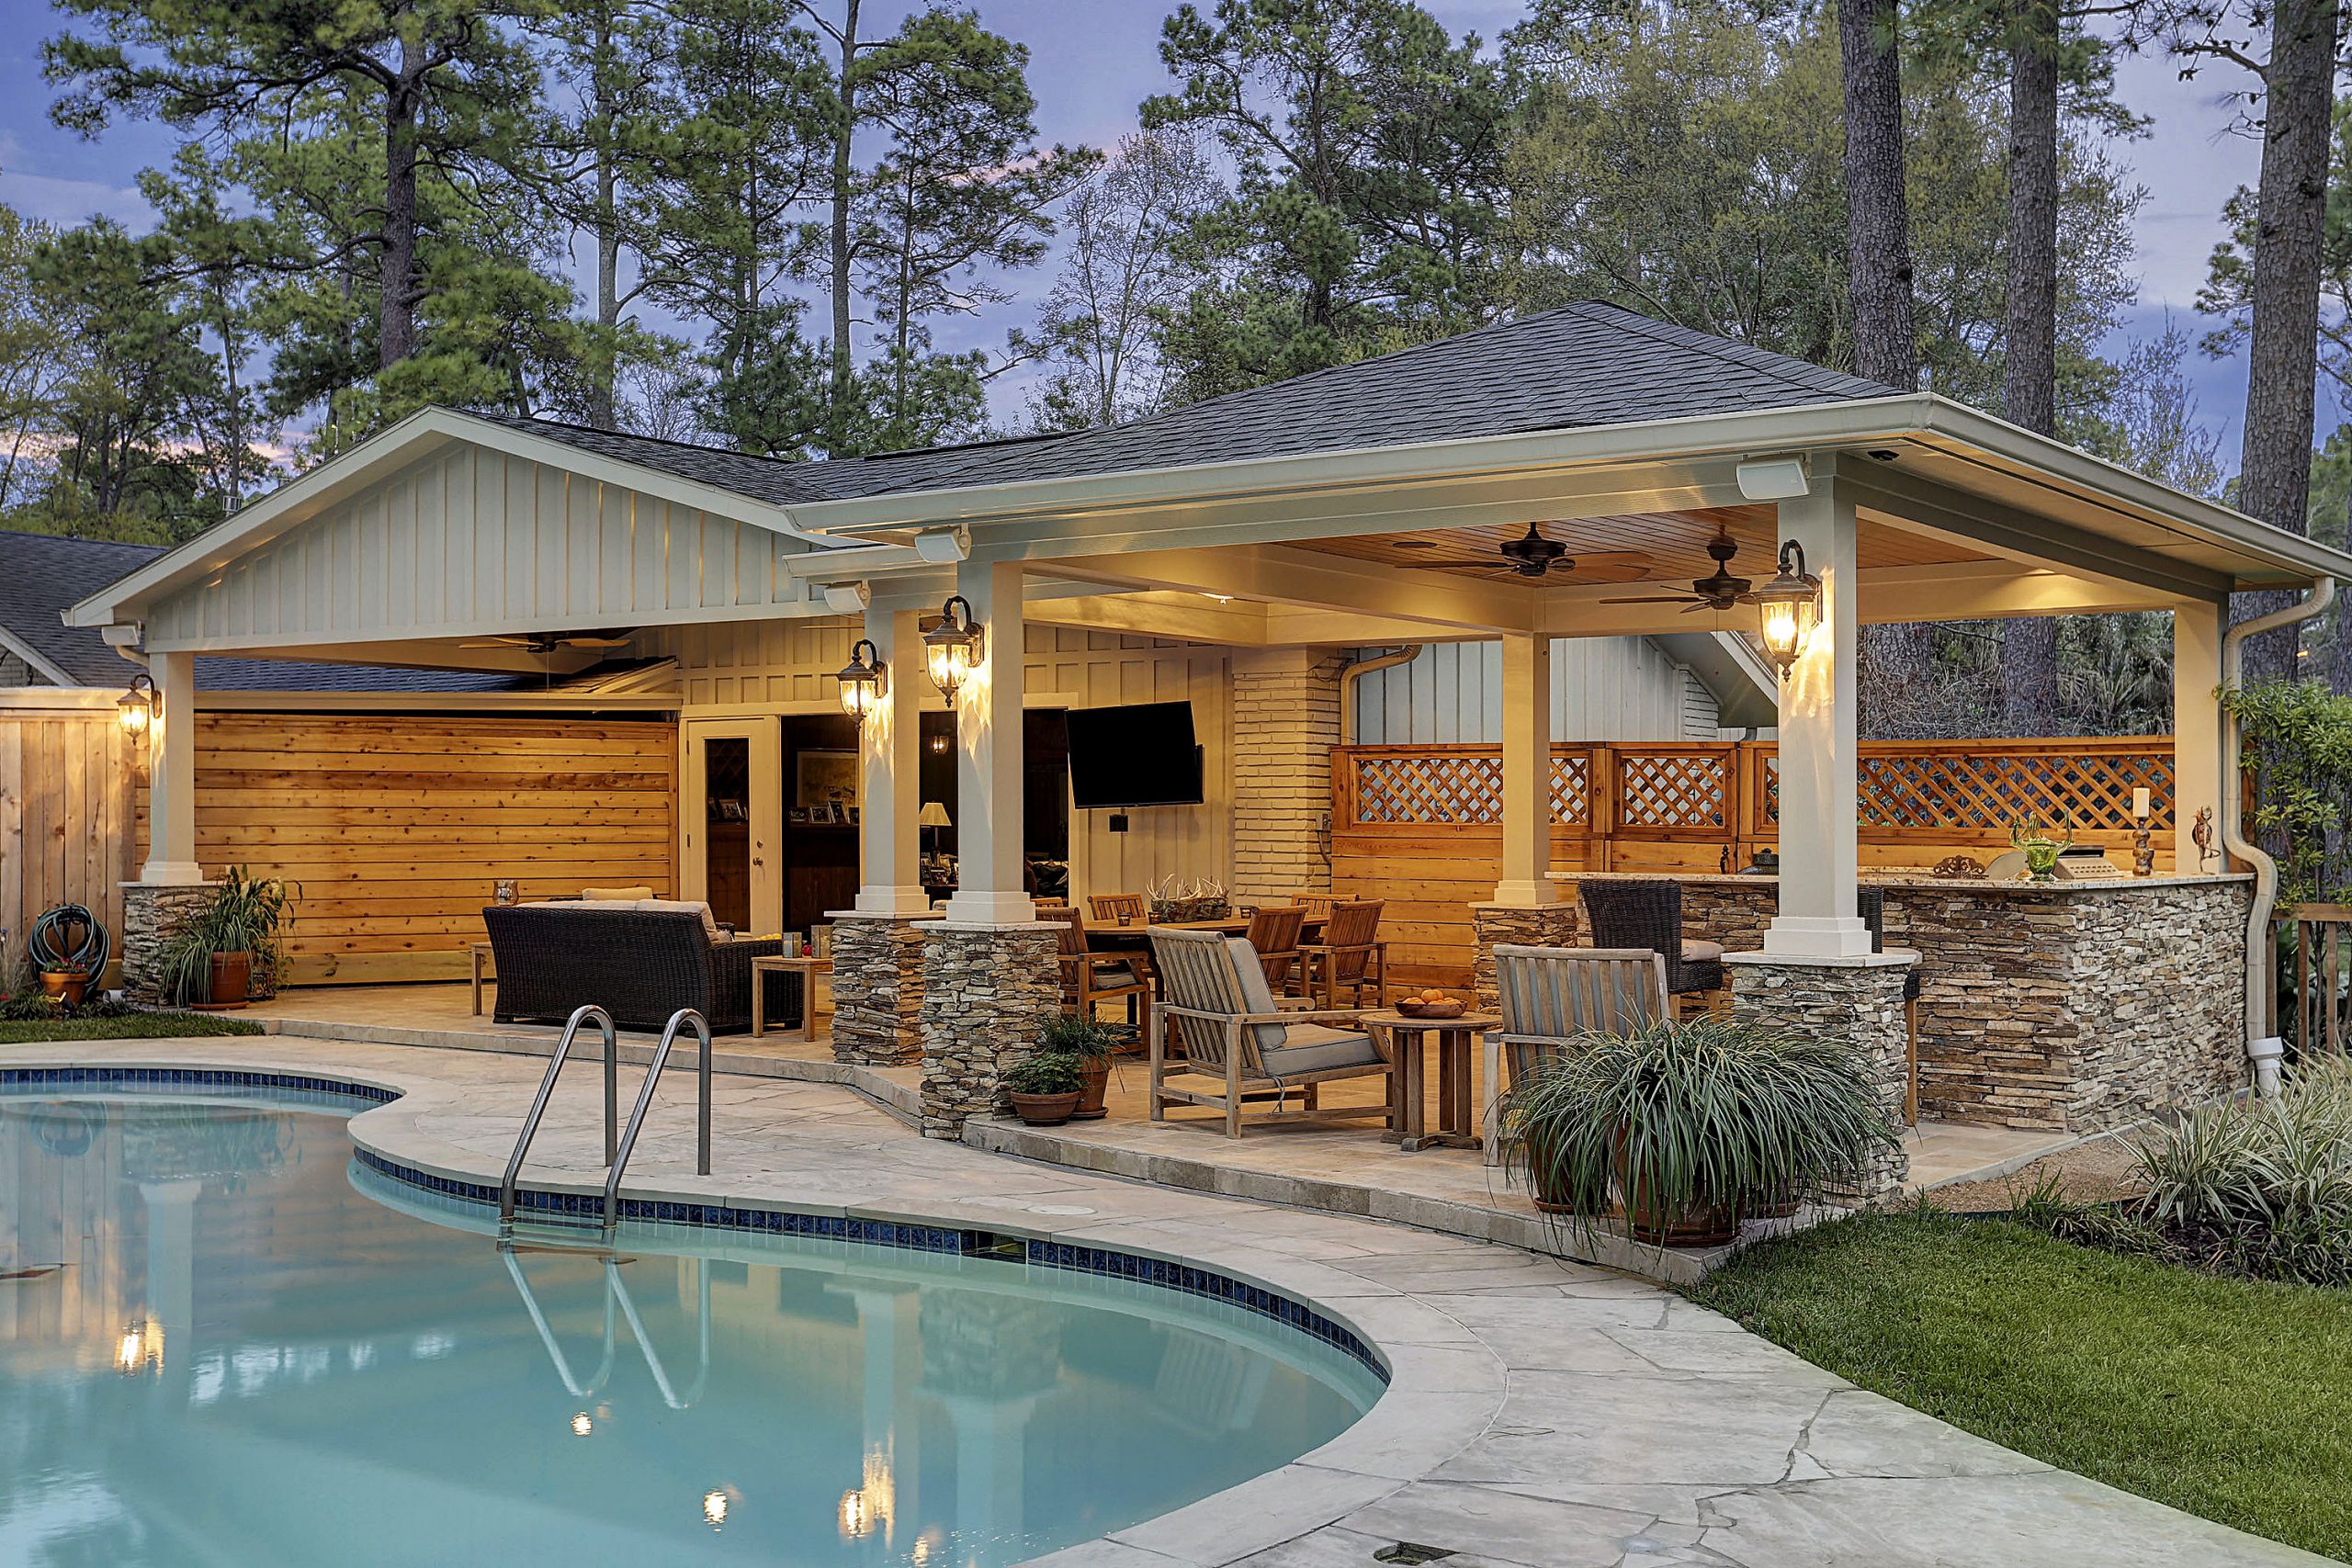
{"type": "Point", "coordinates": [826, 778]}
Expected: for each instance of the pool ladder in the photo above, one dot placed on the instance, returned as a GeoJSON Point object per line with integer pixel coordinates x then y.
{"type": "Point", "coordinates": [616, 1148]}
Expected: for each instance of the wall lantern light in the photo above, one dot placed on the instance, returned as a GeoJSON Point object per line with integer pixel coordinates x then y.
{"type": "Point", "coordinates": [1790, 604]}
{"type": "Point", "coordinates": [861, 680]}
{"type": "Point", "coordinates": [138, 704]}
{"type": "Point", "coordinates": [952, 647]}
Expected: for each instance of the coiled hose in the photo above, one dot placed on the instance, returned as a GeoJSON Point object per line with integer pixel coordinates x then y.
{"type": "Point", "coordinates": [46, 941]}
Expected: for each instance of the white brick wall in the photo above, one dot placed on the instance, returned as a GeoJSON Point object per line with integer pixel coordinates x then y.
{"type": "Point", "coordinates": [1285, 721]}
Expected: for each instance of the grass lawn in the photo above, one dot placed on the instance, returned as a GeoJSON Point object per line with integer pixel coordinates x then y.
{"type": "Point", "coordinates": [2228, 1399]}
{"type": "Point", "coordinates": [131, 1026]}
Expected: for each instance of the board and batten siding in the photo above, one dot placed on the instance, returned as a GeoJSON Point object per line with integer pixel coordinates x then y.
{"type": "Point", "coordinates": [70, 782]}
{"type": "Point", "coordinates": [1613, 688]}
{"type": "Point", "coordinates": [469, 539]}
{"type": "Point", "coordinates": [788, 665]}
{"type": "Point", "coordinates": [396, 826]}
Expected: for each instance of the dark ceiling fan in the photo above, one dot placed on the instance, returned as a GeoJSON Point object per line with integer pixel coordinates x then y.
{"type": "Point", "coordinates": [1717, 591]}
{"type": "Point", "coordinates": [547, 642]}
{"type": "Point", "coordinates": [1533, 555]}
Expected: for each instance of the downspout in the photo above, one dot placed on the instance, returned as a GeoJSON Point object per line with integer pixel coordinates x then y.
{"type": "Point", "coordinates": [1356, 672]}
{"type": "Point", "coordinates": [2263, 1049]}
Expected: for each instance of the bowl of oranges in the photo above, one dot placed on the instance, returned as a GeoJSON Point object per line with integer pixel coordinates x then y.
{"type": "Point", "coordinates": [1429, 1004]}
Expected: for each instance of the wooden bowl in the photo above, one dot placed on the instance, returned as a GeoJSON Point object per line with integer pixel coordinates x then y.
{"type": "Point", "coordinates": [1431, 1009]}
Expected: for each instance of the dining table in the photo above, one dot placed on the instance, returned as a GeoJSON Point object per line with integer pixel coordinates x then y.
{"type": "Point", "coordinates": [1112, 937]}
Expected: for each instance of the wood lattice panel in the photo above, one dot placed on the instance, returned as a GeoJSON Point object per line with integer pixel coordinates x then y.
{"type": "Point", "coordinates": [2085, 787]}
{"type": "Point", "coordinates": [1675, 789]}
{"type": "Point", "coordinates": [1450, 786]}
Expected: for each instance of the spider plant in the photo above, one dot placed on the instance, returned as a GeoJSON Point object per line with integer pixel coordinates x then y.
{"type": "Point", "coordinates": [243, 915]}
{"type": "Point", "coordinates": [1685, 1125]}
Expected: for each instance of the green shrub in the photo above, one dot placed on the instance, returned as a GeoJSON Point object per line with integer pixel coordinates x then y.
{"type": "Point", "coordinates": [1048, 1072]}
{"type": "Point", "coordinates": [244, 915]}
{"type": "Point", "coordinates": [1068, 1034]}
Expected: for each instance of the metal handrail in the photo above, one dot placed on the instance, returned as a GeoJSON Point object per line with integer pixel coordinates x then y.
{"type": "Point", "coordinates": [615, 1287]}
{"type": "Point", "coordinates": [547, 1335]}
{"type": "Point", "coordinates": [547, 1088]}
{"type": "Point", "coordinates": [619, 1161]}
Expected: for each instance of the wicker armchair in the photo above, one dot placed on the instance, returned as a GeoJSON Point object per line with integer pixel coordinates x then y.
{"type": "Point", "coordinates": [640, 965]}
{"type": "Point", "coordinates": [1648, 913]}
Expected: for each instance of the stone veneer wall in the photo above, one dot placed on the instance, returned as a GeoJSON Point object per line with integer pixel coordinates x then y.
{"type": "Point", "coordinates": [1859, 1005]}
{"type": "Point", "coordinates": [986, 989]}
{"type": "Point", "coordinates": [151, 915]}
{"type": "Point", "coordinates": [878, 989]}
{"type": "Point", "coordinates": [1285, 721]}
{"type": "Point", "coordinates": [1548, 925]}
{"type": "Point", "coordinates": [2070, 1009]}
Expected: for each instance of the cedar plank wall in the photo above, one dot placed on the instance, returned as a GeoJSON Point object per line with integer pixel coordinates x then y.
{"type": "Point", "coordinates": [396, 826]}
{"type": "Point", "coordinates": [66, 808]}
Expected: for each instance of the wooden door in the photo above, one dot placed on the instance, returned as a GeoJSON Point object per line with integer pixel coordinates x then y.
{"type": "Point", "coordinates": [730, 819]}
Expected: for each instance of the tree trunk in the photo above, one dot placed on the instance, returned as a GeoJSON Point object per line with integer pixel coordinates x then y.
{"type": "Point", "coordinates": [844, 133]}
{"type": "Point", "coordinates": [2283, 356]}
{"type": "Point", "coordinates": [397, 291]}
{"type": "Point", "coordinates": [2029, 360]}
{"type": "Point", "coordinates": [1878, 213]}
{"type": "Point", "coordinates": [603, 371]}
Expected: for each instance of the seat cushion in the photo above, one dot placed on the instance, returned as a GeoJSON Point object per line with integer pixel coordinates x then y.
{"type": "Point", "coordinates": [696, 906]}
{"type": "Point", "coordinates": [1256, 994]}
{"type": "Point", "coordinates": [1117, 972]}
{"type": "Point", "coordinates": [616, 895]}
{"type": "Point", "coordinates": [1313, 1048]}
{"type": "Point", "coordinates": [1696, 951]}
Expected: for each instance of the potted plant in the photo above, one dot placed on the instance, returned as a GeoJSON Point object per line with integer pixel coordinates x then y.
{"type": "Point", "coordinates": [211, 960]}
{"type": "Point", "coordinates": [1683, 1128]}
{"type": "Point", "coordinates": [1045, 1089]}
{"type": "Point", "coordinates": [64, 982]}
{"type": "Point", "coordinates": [1093, 1043]}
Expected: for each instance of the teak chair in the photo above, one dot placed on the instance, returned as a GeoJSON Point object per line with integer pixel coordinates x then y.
{"type": "Point", "coordinates": [1088, 977]}
{"type": "Point", "coordinates": [1317, 905]}
{"type": "Point", "coordinates": [1549, 996]}
{"type": "Point", "coordinates": [1111, 905]}
{"type": "Point", "coordinates": [1214, 995]}
{"type": "Point", "coordinates": [1273, 934]}
{"type": "Point", "coordinates": [1350, 953]}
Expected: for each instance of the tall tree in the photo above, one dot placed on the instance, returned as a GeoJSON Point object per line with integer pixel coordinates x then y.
{"type": "Point", "coordinates": [36, 355]}
{"type": "Point", "coordinates": [1878, 208]}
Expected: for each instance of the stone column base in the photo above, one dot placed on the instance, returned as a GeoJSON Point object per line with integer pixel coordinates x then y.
{"type": "Point", "coordinates": [1538, 925]}
{"type": "Point", "coordinates": [152, 913]}
{"type": "Point", "coordinates": [985, 991]}
{"type": "Point", "coordinates": [1858, 1002]}
{"type": "Point", "coordinates": [877, 987]}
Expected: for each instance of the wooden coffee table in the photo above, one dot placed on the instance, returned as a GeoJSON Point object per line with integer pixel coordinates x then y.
{"type": "Point", "coordinates": [1401, 1039]}
{"type": "Point", "coordinates": [784, 963]}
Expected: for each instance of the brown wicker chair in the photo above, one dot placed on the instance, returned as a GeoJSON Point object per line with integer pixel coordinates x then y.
{"type": "Point", "coordinates": [1274, 931]}
{"type": "Point", "coordinates": [640, 965]}
{"type": "Point", "coordinates": [1350, 956]}
{"type": "Point", "coordinates": [1089, 978]}
{"type": "Point", "coordinates": [1648, 913]}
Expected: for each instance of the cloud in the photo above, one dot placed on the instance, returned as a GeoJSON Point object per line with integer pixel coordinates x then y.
{"type": "Point", "coordinates": [56, 200]}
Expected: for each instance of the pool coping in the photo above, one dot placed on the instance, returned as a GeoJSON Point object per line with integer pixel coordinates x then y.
{"type": "Point", "coordinates": [1466, 1327]}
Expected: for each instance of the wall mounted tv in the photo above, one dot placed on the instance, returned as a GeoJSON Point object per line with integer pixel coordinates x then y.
{"type": "Point", "coordinates": [1142, 754]}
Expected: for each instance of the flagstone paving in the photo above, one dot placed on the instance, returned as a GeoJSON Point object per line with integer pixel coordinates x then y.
{"type": "Point", "coordinates": [1543, 1413]}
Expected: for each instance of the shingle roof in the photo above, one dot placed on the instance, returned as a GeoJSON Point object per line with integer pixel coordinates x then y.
{"type": "Point", "coordinates": [40, 574]}
{"type": "Point", "coordinates": [1587, 364]}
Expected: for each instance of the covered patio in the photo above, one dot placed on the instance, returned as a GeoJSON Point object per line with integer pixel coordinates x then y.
{"type": "Point", "coordinates": [1236, 556]}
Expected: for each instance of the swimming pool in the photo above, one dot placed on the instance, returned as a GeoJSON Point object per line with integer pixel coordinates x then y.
{"type": "Point", "coordinates": [225, 1340]}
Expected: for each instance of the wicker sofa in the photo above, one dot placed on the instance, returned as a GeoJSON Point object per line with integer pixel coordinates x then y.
{"type": "Point", "coordinates": [640, 965]}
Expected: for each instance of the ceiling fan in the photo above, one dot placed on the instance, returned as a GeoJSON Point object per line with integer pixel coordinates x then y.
{"type": "Point", "coordinates": [1717, 591]}
{"type": "Point", "coordinates": [1532, 555]}
{"type": "Point", "coordinates": [547, 642]}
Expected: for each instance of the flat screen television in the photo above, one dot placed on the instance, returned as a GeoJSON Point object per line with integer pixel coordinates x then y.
{"type": "Point", "coordinates": [1141, 754]}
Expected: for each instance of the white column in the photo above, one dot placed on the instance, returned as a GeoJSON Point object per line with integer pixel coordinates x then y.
{"type": "Point", "coordinates": [171, 773]}
{"type": "Point", "coordinates": [1527, 769]}
{"type": "Point", "coordinates": [1820, 860]}
{"type": "Point", "coordinates": [987, 759]}
{"type": "Point", "coordinates": [2198, 782]}
{"type": "Point", "coordinates": [889, 841]}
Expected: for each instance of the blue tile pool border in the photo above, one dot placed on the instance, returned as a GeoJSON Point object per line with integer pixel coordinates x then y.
{"type": "Point", "coordinates": [1102, 1262]}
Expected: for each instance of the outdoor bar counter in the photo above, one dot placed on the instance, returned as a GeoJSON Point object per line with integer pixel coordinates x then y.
{"type": "Point", "coordinates": [2067, 1006]}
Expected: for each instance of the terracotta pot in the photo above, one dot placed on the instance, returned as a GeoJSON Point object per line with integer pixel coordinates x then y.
{"type": "Point", "coordinates": [63, 985]}
{"type": "Point", "coordinates": [233, 975]}
{"type": "Point", "coordinates": [1043, 1110]}
{"type": "Point", "coordinates": [1706, 1222]}
{"type": "Point", "coordinates": [1097, 1070]}
{"type": "Point", "coordinates": [1539, 1180]}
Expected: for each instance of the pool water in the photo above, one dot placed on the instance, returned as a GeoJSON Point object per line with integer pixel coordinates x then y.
{"type": "Point", "coordinates": [224, 1342]}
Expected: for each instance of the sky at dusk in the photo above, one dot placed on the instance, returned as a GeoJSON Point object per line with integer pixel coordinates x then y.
{"type": "Point", "coordinates": [1094, 59]}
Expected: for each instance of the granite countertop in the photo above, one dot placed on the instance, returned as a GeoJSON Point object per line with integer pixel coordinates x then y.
{"type": "Point", "coordinates": [1935, 884]}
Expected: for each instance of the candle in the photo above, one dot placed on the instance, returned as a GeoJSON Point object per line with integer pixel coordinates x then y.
{"type": "Point", "coordinates": [2140, 811]}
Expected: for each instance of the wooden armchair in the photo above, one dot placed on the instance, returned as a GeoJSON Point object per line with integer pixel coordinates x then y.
{"type": "Point", "coordinates": [1216, 999]}
{"type": "Point", "coordinates": [1109, 907]}
{"type": "Point", "coordinates": [1317, 905]}
{"type": "Point", "coordinates": [1089, 978]}
{"type": "Point", "coordinates": [1350, 954]}
{"type": "Point", "coordinates": [1273, 935]}
{"type": "Point", "coordinates": [1549, 996]}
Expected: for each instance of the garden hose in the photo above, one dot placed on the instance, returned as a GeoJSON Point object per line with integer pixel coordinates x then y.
{"type": "Point", "coordinates": [45, 944]}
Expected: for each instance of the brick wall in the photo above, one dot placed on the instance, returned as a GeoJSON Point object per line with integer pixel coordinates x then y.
{"type": "Point", "coordinates": [1285, 721]}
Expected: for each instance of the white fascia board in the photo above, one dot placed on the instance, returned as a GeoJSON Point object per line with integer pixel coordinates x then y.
{"type": "Point", "coordinates": [207, 701]}
{"type": "Point", "coordinates": [39, 665]}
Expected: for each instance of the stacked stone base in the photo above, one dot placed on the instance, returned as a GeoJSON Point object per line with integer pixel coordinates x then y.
{"type": "Point", "coordinates": [1858, 1003]}
{"type": "Point", "coordinates": [152, 913]}
{"type": "Point", "coordinates": [878, 986]}
{"type": "Point", "coordinates": [1510, 925]}
{"type": "Point", "coordinates": [986, 989]}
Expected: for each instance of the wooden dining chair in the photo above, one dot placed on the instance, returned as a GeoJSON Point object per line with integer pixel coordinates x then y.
{"type": "Point", "coordinates": [1109, 907]}
{"type": "Point", "coordinates": [1274, 931]}
{"type": "Point", "coordinates": [1350, 955]}
{"type": "Point", "coordinates": [1089, 978]}
{"type": "Point", "coordinates": [1317, 905]}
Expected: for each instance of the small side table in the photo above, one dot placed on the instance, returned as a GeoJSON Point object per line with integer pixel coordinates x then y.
{"type": "Point", "coordinates": [480, 954]}
{"type": "Point", "coordinates": [808, 969]}
{"type": "Point", "coordinates": [1401, 1040]}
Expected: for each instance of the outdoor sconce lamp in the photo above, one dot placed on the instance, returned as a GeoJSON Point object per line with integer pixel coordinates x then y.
{"type": "Point", "coordinates": [952, 647]}
{"type": "Point", "coordinates": [137, 704]}
{"type": "Point", "coordinates": [861, 680]}
{"type": "Point", "coordinates": [1790, 604]}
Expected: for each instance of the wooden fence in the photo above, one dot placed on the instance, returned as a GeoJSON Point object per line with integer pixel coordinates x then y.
{"type": "Point", "coordinates": [67, 776]}
{"type": "Point", "coordinates": [1421, 825]}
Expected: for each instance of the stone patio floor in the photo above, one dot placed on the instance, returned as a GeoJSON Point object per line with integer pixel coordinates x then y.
{"type": "Point", "coordinates": [1543, 1414]}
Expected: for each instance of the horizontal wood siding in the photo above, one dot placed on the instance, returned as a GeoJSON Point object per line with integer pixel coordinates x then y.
{"type": "Point", "coordinates": [397, 827]}
{"type": "Point", "coordinates": [67, 783]}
